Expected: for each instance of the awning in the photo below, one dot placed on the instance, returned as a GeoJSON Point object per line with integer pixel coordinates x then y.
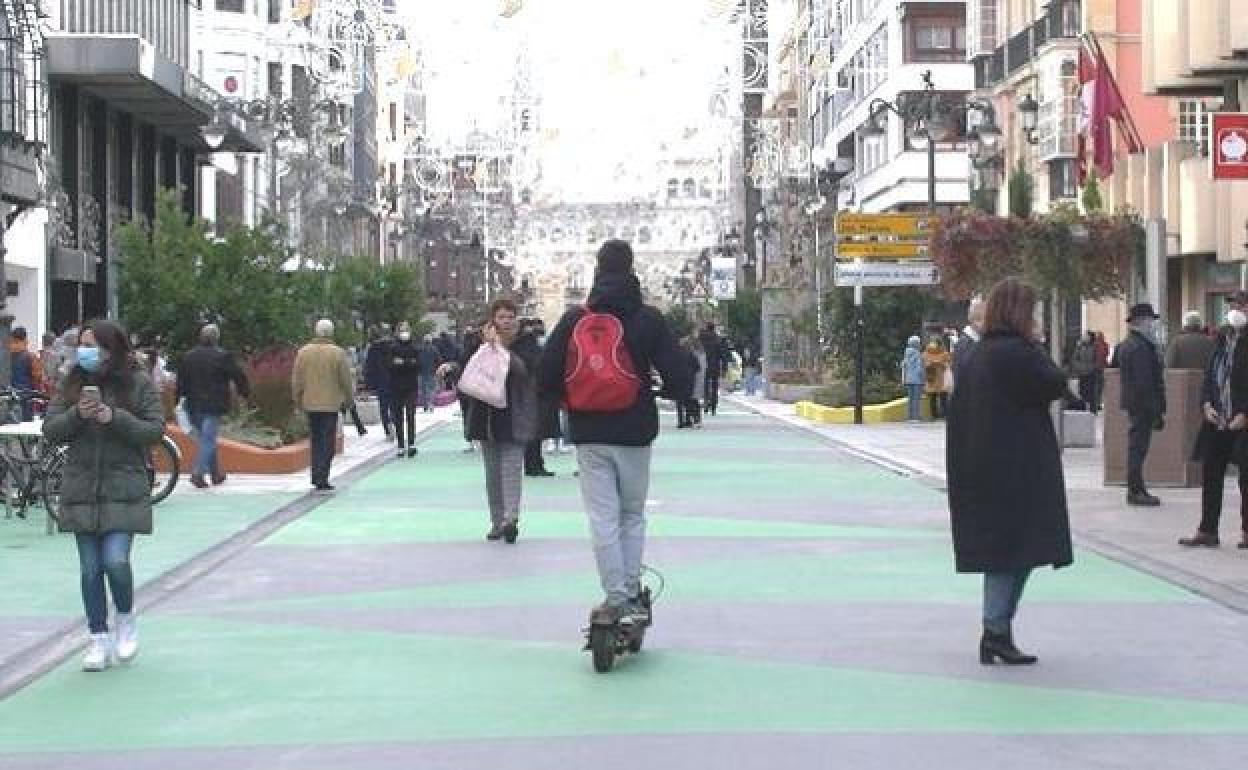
{"type": "Point", "coordinates": [132, 76]}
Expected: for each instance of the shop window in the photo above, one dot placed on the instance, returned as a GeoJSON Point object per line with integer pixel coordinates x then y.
{"type": "Point", "coordinates": [938, 39]}
{"type": "Point", "coordinates": [231, 6]}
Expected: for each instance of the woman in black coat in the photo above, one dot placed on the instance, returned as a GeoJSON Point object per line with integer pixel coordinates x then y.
{"type": "Point", "coordinates": [1007, 496]}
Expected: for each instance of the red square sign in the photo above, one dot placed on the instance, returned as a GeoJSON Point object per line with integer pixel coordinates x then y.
{"type": "Point", "coordinates": [1230, 145]}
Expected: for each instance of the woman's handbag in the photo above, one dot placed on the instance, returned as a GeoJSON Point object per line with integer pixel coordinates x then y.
{"type": "Point", "coordinates": [485, 376]}
{"type": "Point", "coordinates": [444, 398]}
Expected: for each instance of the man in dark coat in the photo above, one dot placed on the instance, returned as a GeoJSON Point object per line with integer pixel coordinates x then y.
{"type": "Point", "coordinates": [204, 378]}
{"type": "Point", "coordinates": [1223, 402]}
{"type": "Point", "coordinates": [403, 367]}
{"type": "Point", "coordinates": [377, 375]}
{"type": "Point", "coordinates": [528, 345]}
{"type": "Point", "coordinates": [713, 346]}
{"type": "Point", "coordinates": [429, 361]}
{"type": "Point", "coordinates": [1143, 396]}
{"type": "Point", "coordinates": [1007, 494]}
{"type": "Point", "coordinates": [1193, 348]}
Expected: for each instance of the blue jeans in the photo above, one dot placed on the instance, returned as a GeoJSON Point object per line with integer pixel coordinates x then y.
{"type": "Point", "coordinates": [206, 427]}
{"type": "Point", "coordinates": [99, 556]}
{"type": "Point", "coordinates": [751, 380]}
{"type": "Point", "coordinates": [914, 395]}
{"type": "Point", "coordinates": [1002, 592]}
{"type": "Point", "coordinates": [427, 384]}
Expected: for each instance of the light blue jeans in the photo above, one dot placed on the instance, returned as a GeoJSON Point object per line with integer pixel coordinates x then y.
{"type": "Point", "coordinates": [1002, 592]}
{"type": "Point", "coordinates": [206, 428]}
{"type": "Point", "coordinates": [614, 483]}
{"type": "Point", "coordinates": [99, 556]}
{"type": "Point", "coordinates": [914, 396]}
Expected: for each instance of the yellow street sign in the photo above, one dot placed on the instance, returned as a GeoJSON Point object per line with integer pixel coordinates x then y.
{"type": "Point", "coordinates": [883, 224]}
{"type": "Point", "coordinates": [880, 250]}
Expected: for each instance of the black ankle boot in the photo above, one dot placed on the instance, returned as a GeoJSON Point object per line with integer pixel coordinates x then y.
{"type": "Point", "coordinates": [993, 647]}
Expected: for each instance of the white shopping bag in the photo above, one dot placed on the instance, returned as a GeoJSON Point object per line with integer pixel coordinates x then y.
{"type": "Point", "coordinates": [182, 418]}
{"type": "Point", "coordinates": [485, 376]}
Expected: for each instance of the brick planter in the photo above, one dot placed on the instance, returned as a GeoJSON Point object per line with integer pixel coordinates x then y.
{"type": "Point", "coordinates": [236, 457]}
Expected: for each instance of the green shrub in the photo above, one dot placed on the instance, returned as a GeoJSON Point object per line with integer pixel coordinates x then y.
{"type": "Point", "coordinates": [838, 393]}
{"type": "Point", "coordinates": [246, 426]}
{"type": "Point", "coordinates": [877, 389]}
{"type": "Point", "coordinates": [790, 377]}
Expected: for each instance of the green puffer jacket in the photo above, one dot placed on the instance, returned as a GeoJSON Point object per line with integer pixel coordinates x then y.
{"type": "Point", "coordinates": [105, 487]}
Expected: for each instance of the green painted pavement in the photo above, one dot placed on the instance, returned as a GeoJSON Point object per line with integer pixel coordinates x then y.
{"type": "Point", "coordinates": [40, 572]}
{"type": "Point", "coordinates": [273, 685]}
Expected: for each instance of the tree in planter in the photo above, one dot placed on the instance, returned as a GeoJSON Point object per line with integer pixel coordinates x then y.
{"type": "Point", "coordinates": [742, 317]}
{"type": "Point", "coordinates": [1022, 192]}
{"type": "Point", "coordinates": [892, 315]}
{"type": "Point", "coordinates": [1091, 196]}
{"type": "Point", "coordinates": [175, 277]}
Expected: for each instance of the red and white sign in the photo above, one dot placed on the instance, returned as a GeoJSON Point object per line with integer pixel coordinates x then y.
{"type": "Point", "coordinates": [1230, 145]}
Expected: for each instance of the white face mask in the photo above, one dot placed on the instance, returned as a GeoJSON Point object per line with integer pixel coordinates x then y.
{"type": "Point", "coordinates": [1237, 318]}
{"type": "Point", "coordinates": [405, 336]}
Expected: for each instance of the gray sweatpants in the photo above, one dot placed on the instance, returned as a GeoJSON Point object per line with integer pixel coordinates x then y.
{"type": "Point", "coordinates": [614, 484]}
{"type": "Point", "coordinates": [504, 474]}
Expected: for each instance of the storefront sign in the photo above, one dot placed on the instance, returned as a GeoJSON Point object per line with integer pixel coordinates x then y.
{"type": "Point", "coordinates": [1230, 145]}
{"type": "Point", "coordinates": [886, 274]}
{"type": "Point", "coordinates": [723, 278]}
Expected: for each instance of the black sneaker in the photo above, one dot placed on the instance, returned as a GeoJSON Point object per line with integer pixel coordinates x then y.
{"type": "Point", "coordinates": [495, 533]}
{"type": "Point", "coordinates": [511, 531]}
{"type": "Point", "coordinates": [1143, 499]}
{"type": "Point", "coordinates": [412, 451]}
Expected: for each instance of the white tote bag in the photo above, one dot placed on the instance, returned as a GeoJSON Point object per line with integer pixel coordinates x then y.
{"type": "Point", "coordinates": [485, 376]}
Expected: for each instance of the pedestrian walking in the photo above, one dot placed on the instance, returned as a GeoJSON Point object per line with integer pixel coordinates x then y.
{"type": "Point", "coordinates": [1083, 367]}
{"type": "Point", "coordinates": [912, 377]}
{"type": "Point", "coordinates": [689, 411]}
{"type": "Point", "coordinates": [1007, 495]}
{"type": "Point", "coordinates": [713, 347]}
{"type": "Point", "coordinates": [471, 341]}
{"type": "Point", "coordinates": [428, 361]}
{"type": "Point", "coordinates": [613, 439]}
{"type": "Point", "coordinates": [377, 376]}
{"type": "Point", "coordinates": [753, 368]}
{"type": "Point", "coordinates": [936, 378]}
{"type": "Point", "coordinates": [109, 416]}
{"type": "Point", "coordinates": [1143, 396]}
{"type": "Point", "coordinates": [205, 375]}
{"type": "Point", "coordinates": [349, 408]}
{"type": "Point", "coordinates": [51, 355]}
{"type": "Point", "coordinates": [321, 384]}
{"type": "Point", "coordinates": [403, 364]}
{"type": "Point", "coordinates": [1193, 347]}
{"type": "Point", "coordinates": [969, 339]}
{"type": "Point", "coordinates": [1219, 443]}
{"type": "Point", "coordinates": [504, 431]}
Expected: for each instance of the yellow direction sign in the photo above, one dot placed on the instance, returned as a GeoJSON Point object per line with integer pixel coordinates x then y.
{"type": "Point", "coordinates": [880, 250]}
{"type": "Point", "coordinates": [905, 225]}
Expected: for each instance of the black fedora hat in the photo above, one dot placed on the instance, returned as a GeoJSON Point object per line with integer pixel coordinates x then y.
{"type": "Point", "coordinates": [1142, 310]}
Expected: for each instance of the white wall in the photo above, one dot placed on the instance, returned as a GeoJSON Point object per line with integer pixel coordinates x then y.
{"type": "Point", "coordinates": [25, 262]}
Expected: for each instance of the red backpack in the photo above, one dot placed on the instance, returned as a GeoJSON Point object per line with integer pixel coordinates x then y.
{"type": "Point", "coordinates": [598, 373]}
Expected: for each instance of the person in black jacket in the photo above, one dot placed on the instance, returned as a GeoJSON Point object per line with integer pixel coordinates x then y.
{"type": "Point", "coordinates": [204, 378]}
{"type": "Point", "coordinates": [403, 367]}
{"type": "Point", "coordinates": [1143, 396]}
{"type": "Point", "coordinates": [715, 356]}
{"type": "Point", "coordinates": [968, 339]}
{"type": "Point", "coordinates": [689, 411]}
{"type": "Point", "coordinates": [528, 345]}
{"type": "Point", "coordinates": [613, 448]}
{"type": "Point", "coordinates": [429, 361]}
{"type": "Point", "coordinates": [1223, 427]}
{"type": "Point", "coordinates": [1007, 495]}
{"type": "Point", "coordinates": [377, 375]}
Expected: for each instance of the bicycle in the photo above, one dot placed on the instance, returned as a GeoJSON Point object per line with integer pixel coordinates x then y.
{"type": "Point", "coordinates": [34, 473]}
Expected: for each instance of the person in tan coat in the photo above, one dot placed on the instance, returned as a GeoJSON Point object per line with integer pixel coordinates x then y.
{"type": "Point", "coordinates": [936, 361]}
{"type": "Point", "coordinates": [322, 383]}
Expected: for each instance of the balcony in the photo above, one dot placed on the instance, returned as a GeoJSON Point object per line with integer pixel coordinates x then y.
{"type": "Point", "coordinates": [1060, 23]}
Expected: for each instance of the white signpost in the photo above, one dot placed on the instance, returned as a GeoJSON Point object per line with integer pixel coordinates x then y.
{"type": "Point", "coordinates": [723, 278]}
{"type": "Point", "coordinates": [886, 274]}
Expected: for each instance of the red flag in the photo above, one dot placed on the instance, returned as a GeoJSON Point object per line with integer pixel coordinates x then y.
{"type": "Point", "coordinates": [1106, 105]}
{"type": "Point", "coordinates": [1087, 79]}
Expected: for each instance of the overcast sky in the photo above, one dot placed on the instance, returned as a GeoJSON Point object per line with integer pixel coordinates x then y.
{"type": "Point", "coordinates": [617, 79]}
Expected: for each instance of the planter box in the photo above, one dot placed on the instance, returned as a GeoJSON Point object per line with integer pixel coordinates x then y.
{"type": "Point", "coordinates": [791, 394]}
{"type": "Point", "coordinates": [236, 457]}
{"type": "Point", "coordinates": [1169, 458]}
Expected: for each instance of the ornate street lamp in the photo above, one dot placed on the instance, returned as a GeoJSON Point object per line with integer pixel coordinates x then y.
{"type": "Point", "coordinates": [1029, 110]}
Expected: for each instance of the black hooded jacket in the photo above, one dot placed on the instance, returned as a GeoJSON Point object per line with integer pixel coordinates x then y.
{"type": "Point", "coordinates": [653, 348]}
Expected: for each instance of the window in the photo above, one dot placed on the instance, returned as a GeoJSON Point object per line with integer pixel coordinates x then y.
{"type": "Point", "coordinates": [394, 122]}
{"type": "Point", "coordinates": [938, 39]}
{"type": "Point", "coordinates": [1062, 179]}
{"type": "Point", "coordinates": [1194, 123]}
{"type": "Point", "coordinates": [232, 6]}
{"type": "Point", "coordinates": [275, 11]}
{"type": "Point", "coordinates": [275, 79]}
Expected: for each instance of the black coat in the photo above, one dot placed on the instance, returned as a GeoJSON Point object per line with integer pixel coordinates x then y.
{"type": "Point", "coordinates": [518, 420]}
{"type": "Point", "coordinates": [376, 372]}
{"type": "Point", "coordinates": [204, 377]}
{"type": "Point", "coordinates": [961, 354]}
{"type": "Point", "coordinates": [402, 363]}
{"type": "Point", "coordinates": [1211, 394]}
{"type": "Point", "coordinates": [528, 348]}
{"type": "Point", "coordinates": [1007, 496]}
{"type": "Point", "coordinates": [1143, 381]}
{"type": "Point", "coordinates": [652, 346]}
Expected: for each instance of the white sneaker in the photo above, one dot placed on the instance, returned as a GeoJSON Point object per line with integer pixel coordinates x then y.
{"type": "Point", "coordinates": [126, 637]}
{"type": "Point", "coordinates": [99, 653]}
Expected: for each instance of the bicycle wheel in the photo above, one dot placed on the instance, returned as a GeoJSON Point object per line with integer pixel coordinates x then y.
{"type": "Point", "coordinates": [163, 468]}
{"type": "Point", "coordinates": [53, 474]}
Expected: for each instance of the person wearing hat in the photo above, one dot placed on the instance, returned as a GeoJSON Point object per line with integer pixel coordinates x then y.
{"type": "Point", "coordinates": [1223, 426]}
{"type": "Point", "coordinates": [1143, 396]}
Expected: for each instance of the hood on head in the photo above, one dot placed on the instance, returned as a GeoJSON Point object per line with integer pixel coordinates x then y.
{"type": "Point", "coordinates": [913, 342]}
{"type": "Point", "coordinates": [620, 292]}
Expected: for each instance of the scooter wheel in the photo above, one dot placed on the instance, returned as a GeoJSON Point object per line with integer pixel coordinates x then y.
{"type": "Point", "coordinates": [602, 646]}
{"type": "Point", "coordinates": [636, 640]}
